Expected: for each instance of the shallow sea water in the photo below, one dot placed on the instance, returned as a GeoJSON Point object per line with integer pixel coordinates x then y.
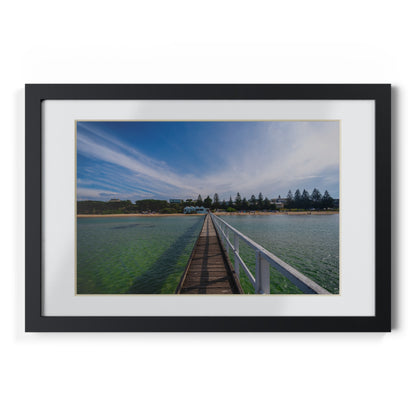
{"type": "Point", "coordinates": [148, 255]}
{"type": "Point", "coordinates": [134, 255]}
{"type": "Point", "coordinates": [310, 243]}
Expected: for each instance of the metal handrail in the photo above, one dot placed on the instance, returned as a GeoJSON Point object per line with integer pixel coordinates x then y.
{"type": "Point", "coordinates": [264, 259]}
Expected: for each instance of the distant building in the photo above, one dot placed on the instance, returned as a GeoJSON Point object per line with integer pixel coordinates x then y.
{"type": "Point", "coordinates": [195, 210]}
{"type": "Point", "coordinates": [175, 201]}
{"type": "Point", "coordinates": [114, 200]}
{"type": "Point", "coordinates": [278, 202]}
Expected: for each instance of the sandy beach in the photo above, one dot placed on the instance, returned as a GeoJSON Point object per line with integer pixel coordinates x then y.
{"type": "Point", "coordinates": [280, 213]}
{"type": "Point", "coordinates": [217, 213]}
{"type": "Point", "coordinates": [131, 215]}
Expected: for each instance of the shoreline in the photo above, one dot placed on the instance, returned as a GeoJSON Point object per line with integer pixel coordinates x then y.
{"type": "Point", "coordinates": [279, 213]}
{"type": "Point", "coordinates": [217, 213]}
{"type": "Point", "coordinates": [133, 215]}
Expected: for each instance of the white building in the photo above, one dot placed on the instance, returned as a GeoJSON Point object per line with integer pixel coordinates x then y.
{"type": "Point", "coordinates": [195, 210]}
{"type": "Point", "coordinates": [278, 202]}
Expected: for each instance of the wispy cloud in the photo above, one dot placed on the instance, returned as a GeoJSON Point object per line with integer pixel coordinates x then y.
{"type": "Point", "coordinates": [268, 157]}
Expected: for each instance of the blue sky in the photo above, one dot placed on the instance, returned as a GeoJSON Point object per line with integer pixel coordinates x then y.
{"type": "Point", "coordinates": [181, 159]}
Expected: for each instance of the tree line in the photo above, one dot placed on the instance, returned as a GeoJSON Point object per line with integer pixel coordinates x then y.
{"type": "Point", "coordinates": [307, 201]}
{"type": "Point", "coordinates": [298, 200]}
{"type": "Point", "coordinates": [125, 207]}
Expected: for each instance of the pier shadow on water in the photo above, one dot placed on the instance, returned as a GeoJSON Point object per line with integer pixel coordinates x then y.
{"type": "Point", "coordinates": [154, 278]}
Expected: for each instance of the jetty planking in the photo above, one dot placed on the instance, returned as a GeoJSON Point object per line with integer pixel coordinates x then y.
{"type": "Point", "coordinates": [209, 271]}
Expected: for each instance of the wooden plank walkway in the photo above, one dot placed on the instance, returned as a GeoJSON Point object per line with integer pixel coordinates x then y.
{"type": "Point", "coordinates": [209, 270]}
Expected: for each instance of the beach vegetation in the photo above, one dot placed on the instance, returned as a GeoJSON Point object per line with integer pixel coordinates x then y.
{"type": "Point", "coordinates": [216, 202]}
{"type": "Point", "coordinates": [299, 201]}
{"type": "Point", "coordinates": [207, 202]}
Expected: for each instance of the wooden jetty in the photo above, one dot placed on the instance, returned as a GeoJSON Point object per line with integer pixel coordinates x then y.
{"type": "Point", "coordinates": [209, 270]}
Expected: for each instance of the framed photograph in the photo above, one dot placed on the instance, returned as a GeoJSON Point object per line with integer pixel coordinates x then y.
{"type": "Point", "coordinates": [208, 207]}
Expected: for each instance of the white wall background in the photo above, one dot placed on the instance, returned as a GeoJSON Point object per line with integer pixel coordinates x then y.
{"type": "Point", "coordinates": [216, 41]}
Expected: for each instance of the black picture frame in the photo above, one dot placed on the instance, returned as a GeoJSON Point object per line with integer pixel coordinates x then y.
{"type": "Point", "coordinates": [36, 93]}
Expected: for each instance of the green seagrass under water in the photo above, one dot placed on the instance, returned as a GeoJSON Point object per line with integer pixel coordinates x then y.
{"type": "Point", "coordinates": [146, 255]}
{"type": "Point", "coordinates": [134, 255]}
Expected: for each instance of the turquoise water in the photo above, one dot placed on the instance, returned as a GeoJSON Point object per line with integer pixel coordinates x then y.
{"type": "Point", "coordinates": [134, 255]}
{"type": "Point", "coordinates": [149, 254]}
{"type": "Point", "coordinates": [310, 243]}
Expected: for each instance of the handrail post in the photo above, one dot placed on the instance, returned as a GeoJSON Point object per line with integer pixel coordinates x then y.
{"type": "Point", "coordinates": [264, 260]}
{"type": "Point", "coordinates": [237, 251]}
{"type": "Point", "coordinates": [262, 274]}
